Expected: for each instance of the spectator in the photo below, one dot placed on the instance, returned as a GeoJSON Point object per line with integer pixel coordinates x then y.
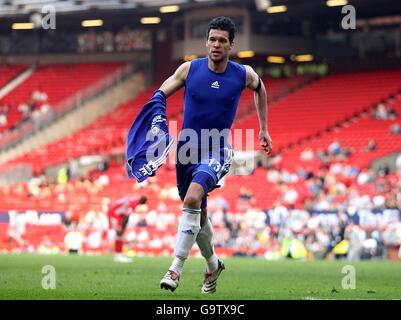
{"type": "Point", "coordinates": [371, 146]}
{"type": "Point", "coordinates": [87, 41]}
{"type": "Point", "coordinates": [245, 194]}
{"type": "Point", "coordinates": [122, 40]}
{"type": "Point", "coordinates": [73, 168]}
{"type": "Point", "coordinates": [17, 229]}
{"type": "Point", "coordinates": [107, 41]}
{"type": "Point", "coordinates": [4, 108]}
{"type": "Point", "coordinates": [395, 129]}
{"type": "Point", "coordinates": [307, 155]}
{"type": "Point", "coordinates": [381, 112]}
{"type": "Point", "coordinates": [391, 112]}
{"type": "Point", "coordinates": [383, 170]}
{"type": "Point", "coordinates": [39, 97]}
{"type": "Point", "coordinates": [322, 156]}
{"type": "Point", "coordinates": [73, 241]}
{"type": "Point", "coordinates": [36, 117]}
{"type": "Point", "coordinates": [62, 175]}
{"type": "Point", "coordinates": [3, 120]}
{"type": "Point", "coordinates": [334, 148]}
{"type": "Point", "coordinates": [355, 236]}
{"type": "Point", "coordinates": [23, 108]}
{"type": "Point", "coordinates": [46, 112]}
{"type": "Point", "coordinates": [365, 177]}
{"type": "Point", "coordinates": [245, 199]}
{"type": "Point", "coordinates": [46, 245]}
{"type": "Point", "coordinates": [104, 180]}
{"type": "Point", "coordinates": [398, 163]}
{"type": "Point", "coordinates": [290, 197]}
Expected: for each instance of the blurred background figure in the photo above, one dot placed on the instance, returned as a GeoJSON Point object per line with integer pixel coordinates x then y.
{"type": "Point", "coordinates": [74, 240]}
{"type": "Point", "coordinates": [16, 230]}
{"type": "Point", "coordinates": [119, 214]}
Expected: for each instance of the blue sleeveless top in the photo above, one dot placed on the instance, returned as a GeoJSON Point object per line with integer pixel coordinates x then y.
{"type": "Point", "coordinates": [211, 99]}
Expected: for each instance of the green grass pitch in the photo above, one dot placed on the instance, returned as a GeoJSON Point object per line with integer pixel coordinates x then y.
{"type": "Point", "coordinates": [99, 277]}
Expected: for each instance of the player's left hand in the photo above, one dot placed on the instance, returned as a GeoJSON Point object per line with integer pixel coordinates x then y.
{"type": "Point", "coordinates": [265, 141]}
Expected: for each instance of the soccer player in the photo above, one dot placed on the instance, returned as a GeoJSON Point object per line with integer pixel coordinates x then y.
{"type": "Point", "coordinates": [213, 86]}
{"type": "Point", "coordinates": [118, 219]}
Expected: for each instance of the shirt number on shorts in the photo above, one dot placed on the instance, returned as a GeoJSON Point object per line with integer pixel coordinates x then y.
{"type": "Point", "coordinates": [215, 165]}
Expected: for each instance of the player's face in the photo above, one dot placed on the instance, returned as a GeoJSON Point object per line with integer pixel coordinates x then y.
{"type": "Point", "coordinates": [218, 45]}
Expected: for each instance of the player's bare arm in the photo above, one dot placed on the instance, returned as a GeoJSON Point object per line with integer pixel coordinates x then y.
{"type": "Point", "coordinates": [176, 81]}
{"type": "Point", "coordinates": [253, 82]}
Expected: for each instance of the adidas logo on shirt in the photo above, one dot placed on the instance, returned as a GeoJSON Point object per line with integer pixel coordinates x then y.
{"type": "Point", "coordinates": [215, 85]}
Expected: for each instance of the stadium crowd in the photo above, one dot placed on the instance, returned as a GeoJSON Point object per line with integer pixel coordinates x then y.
{"type": "Point", "coordinates": [123, 41]}
{"type": "Point", "coordinates": [326, 207]}
{"type": "Point", "coordinates": [314, 214]}
{"type": "Point", "coordinates": [37, 108]}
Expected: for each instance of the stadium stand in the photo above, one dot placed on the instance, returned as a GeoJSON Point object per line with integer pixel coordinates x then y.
{"type": "Point", "coordinates": [283, 185]}
{"type": "Point", "coordinates": [51, 80]}
{"type": "Point", "coordinates": [9, 72]}
{"type": "Point", "coordinates": [354, 134]}
{"type": "Point", "coordinates": [109, 131]}
{"type": "Point", "coordinates": [325, 103]}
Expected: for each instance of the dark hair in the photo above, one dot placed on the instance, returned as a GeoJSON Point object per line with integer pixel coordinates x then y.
{"type": "Point", "coordinates": [222, 23]}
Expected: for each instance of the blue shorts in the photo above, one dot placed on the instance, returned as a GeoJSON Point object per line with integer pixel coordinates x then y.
{"type": "Point", "coordinates": [207, 172]}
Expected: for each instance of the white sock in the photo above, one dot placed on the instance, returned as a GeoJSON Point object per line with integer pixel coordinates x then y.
{"type": "Point", "coordinates": [212, 263]}
{"type": "Point", "coordinates": [178, 264]}
{"type": "Point", "coordinates": [188, 230]}
{"type": "Point", "coordinates": [205, 244]}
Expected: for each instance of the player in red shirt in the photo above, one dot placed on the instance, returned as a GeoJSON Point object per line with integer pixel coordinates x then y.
{"type": "Point", "coordinates": [118, 219]}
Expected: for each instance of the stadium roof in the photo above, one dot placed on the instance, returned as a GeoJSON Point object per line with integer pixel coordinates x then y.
{"type": "Point", "coordinates": [18, 7]}
{"type": "Point", "coordinates": [12, 8]}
